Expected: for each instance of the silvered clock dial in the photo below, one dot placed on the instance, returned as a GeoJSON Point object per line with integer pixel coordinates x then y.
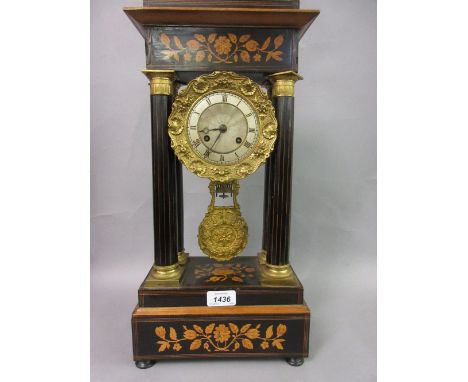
{"type": "Point", "coordinates": [223, 128]}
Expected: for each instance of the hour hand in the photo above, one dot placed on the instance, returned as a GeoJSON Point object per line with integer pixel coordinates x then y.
{"type": "Point", "coordinates": [206, 130]}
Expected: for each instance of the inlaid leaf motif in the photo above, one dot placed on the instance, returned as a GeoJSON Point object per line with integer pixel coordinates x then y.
{"type": "Point", "coordinates": [245, 328]}
{"type": "Point", "coordinates": [212, 37]}
{"type": "Point", "coordinates": [234, 328]}
{"type": "Point", "coordinates": [266, 43]}
{"type": "Point", "coordinates": [244, 38]}
{"type": "Point", "coordinates": [200, 37]}
{"type": "Point", "coordinates": [209, 328]}
{"type": "Point", "coordinates": [160, 332]}
{"type": "Point", "coordinates": [198, 329]}
{"type": "Point", "coordinates": [178, 43]}
{"type": "Point", "coordinates": [278, 344]}
{"type": "Point", "coordinates": [238, 279]}
{"type": "Point", "coordinates": [269, 332]}
{"type": "Point", "coordinates": [278, 41]}
{"type": "Point", "coordinates": [166, 41]}
{"type": "Point", "coordinates": [277, 55]}
{"type": "Point", "coordinates": [164, 345]}
{"type": "Point", "coordinates": [195, 345]}
{"type": "Point", "coordinates": [172, 334]}
{"type": "Point", "coordinates": [232, 37]}
{"type": "Point", "coordinates": [245, 56]}
{"type": "Point", "coordinates": [176, 56]}
{"type": "Point", "coordinates": [236, 346]}
{"type": "Point", "coordinates": [247, 343]}
{"type": "Point", "coordinates": [280, 330]}
{"type": "Point", "coordinates": [167, 53]}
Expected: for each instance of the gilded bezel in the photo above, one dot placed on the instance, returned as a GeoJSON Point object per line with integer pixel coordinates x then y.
{"type": "Point", "coordinates": [218, 82]}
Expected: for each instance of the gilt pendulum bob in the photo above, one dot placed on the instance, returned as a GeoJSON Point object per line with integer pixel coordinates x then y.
{"type": "Point", "coordinates": [223, 232]}
{"type": "Point", "coordinates": [222, 127]}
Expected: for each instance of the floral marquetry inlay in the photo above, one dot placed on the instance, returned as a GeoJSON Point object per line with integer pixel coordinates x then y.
{"type": "Point", "coordinates": [223, 337]}
{"type": "Point", "coordinates": [215, 273]}
{"type": "Point", "coordinates": [226, 48]}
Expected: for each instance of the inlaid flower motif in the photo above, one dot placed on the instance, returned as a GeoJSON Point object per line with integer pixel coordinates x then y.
{"type": "Point", "coordinates": [225, 272]}
{"type": "Point", "coordinates": [225, 337]}
{"type": "Point", "coordinates": [222, 45]}
{"type": "Point", "coordinates": [222, 333]}
{"type": "Point", "coordinates": [251, 45]}
{"type": "Point", "coordinates": [228, 49]}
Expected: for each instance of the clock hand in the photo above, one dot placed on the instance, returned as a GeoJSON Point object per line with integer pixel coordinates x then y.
{"type": "Point", "coordinates": [217, 138]}
{"type": "Point", "coordinates": [206, 130]}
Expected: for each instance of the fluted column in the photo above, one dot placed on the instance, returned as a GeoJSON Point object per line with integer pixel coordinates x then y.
{"type": "Point", "coordinates": [278, 181]}
{"type": "Point", "coordinates": [165, 176]}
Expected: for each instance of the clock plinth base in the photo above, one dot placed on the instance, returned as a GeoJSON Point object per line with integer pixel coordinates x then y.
{"type": "Point", "coordinates": [269, 320]}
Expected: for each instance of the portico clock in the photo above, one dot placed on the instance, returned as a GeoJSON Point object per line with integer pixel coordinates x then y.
{"type": "Point", "coordinates": [222, 75]}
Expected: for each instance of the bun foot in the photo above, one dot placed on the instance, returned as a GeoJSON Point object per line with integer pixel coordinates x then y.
{"type": "Point", "coordinates": [295, 361]}
{"type": "Point", "coordinates": [144, 364]}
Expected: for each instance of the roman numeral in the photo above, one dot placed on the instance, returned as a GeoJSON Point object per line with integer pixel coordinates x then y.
{"type": "Point", "coordinates": [208, 101]}
{"type": "Point", "coordinates": [251, 130]}
{"type": "Point", "coordinates": [224, 98]}
{"type": "Point", "coordinates": [248, 115]}
{"type": "Point", "coordinates": [196, 142]}
{"type": "Point", "coordinates": [247, 144]}
{"type": "Point", "coordinates": [193, 127]}
{"type": "Point", "coordinates": [236, 154]}
{"type": "Point", "coordinates": [221, 158]}
{"type": "Point", "coordinates": [207, 153]}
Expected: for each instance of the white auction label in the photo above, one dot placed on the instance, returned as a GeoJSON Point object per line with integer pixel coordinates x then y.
{"type": "Point", "coordinates": [221, 297]}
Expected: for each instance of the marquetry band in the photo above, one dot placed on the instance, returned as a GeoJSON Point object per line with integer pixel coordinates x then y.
{"type": "Point", "coordinates": [161, 81]}
{"type": "Point", "coordinates": [283, 83]}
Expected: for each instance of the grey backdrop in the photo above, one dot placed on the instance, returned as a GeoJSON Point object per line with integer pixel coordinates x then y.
{"type": "Point", "coordinates": [333, 246]}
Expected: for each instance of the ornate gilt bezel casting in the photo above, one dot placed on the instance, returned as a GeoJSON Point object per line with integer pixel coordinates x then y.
{"type": "Point", "coordinates": [218, 82]}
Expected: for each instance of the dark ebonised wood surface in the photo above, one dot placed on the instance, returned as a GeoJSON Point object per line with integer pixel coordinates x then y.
{"type": "Point", "coordinates": [279, 172]}
{"type": "Point", "coordinates": [164, 184]}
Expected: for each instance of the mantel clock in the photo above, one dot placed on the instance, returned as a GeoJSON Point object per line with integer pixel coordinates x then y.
{"type": "Point", "coordinates": [222, 76]}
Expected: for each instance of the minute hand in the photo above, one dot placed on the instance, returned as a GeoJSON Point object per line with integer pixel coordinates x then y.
{"type": "Point", "coordinates": [217, 138]}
